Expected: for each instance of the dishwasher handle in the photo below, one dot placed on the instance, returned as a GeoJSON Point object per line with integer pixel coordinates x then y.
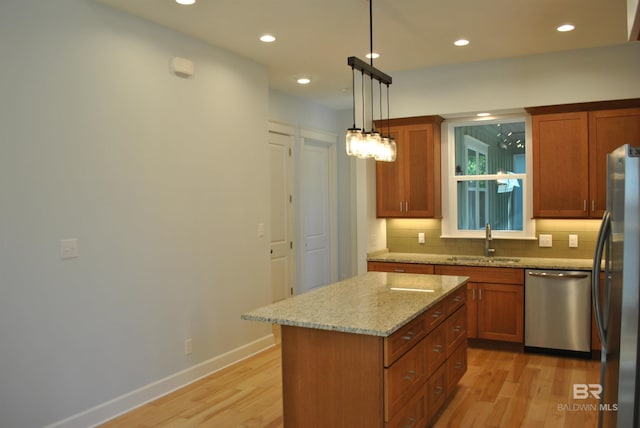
{"type": "Point", "coordinates": [560, 275]}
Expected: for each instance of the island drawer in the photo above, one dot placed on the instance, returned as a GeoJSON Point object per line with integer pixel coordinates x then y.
{"type": "Point", "coordinates": [456, 329]}
{"type": "Point", "coordinates": [406, 337]}
{"type": "Point", "coordinates": [436, 345]}
{"type": "Point", "coordinates": [403, 340]}
{"type": "Point", "coordinates": [456, 366]}
{"type": "Point", "coordinates": [455, 300]}
{"type": "Point", "coordinates": [404, 378]}
{"type": "Point", "coordinates": [436, 391]}
{"type": "Point", "coordinates": [413, 414]}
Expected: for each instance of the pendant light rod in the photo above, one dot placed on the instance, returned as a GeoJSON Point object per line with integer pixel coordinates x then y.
{"type": "Point", "coordinates": [371, 33]}
{"type": "Point", "coordinates": [369, 70]}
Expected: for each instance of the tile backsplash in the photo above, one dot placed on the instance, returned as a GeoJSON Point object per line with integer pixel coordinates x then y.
{"type": "Point", "coordinates": [402, 237]}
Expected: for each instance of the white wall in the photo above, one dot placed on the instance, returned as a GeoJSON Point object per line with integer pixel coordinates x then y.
{"type": "Point", "coordinates": [162, 180]}
{"type": "Point", "coordinates": [557, 78]}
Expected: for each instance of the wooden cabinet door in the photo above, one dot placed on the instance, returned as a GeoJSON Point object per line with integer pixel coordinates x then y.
{"type": "Point", "coordinates": [608, 130]}
{"type": "Point", "coordinates": [472, 310]}
{"type": "Point", "coordinates": [410, 186]}
{"type": "Point", "coordinates": [418, 171]}
{"type": "Point", "coordinates": [560, 165]}
{"type": "Point", "coordinates": [390, 197]}
{"type": "Point", "coordinates": [501, 312]}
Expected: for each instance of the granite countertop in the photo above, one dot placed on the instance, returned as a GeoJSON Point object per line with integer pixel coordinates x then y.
{"type": "Point", "coordinates": [376, 303]}
{"type": "Point", "coordinates": [493, 261]}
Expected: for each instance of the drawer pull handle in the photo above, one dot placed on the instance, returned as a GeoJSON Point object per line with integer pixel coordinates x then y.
{"type": "Point", "coordinates": [399, 270]}
{"type": "Point", "coordinates": [457, 299]}
{"type": "Point", "coordinates": [459, 365]}
{"type": "Point", "coordinates": [410, 335]}
{"type": "Point", "coordinates": [437, 314]}
{"type": "Point", "coordinates": [457, 329]}
{"type": "Point", "coordinates": [410, 423]}
{"type": "Point", "coordinates": [410, 375]}
{"type": "Point", "coordinates": [438, 348]}
{"type": "Point", "coordinates": [438, 390]}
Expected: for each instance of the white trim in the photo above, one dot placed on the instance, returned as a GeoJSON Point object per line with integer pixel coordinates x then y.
{"type": "Point", "coordinates": [113, 408]}
{"type": "Point", "coordinates": [449, 182]}
{"type": "Point", "coordinates": [281, 128]}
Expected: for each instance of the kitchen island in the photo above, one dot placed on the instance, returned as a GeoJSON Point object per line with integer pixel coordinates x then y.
{"type": "Point", "coordinates": [377, 350]}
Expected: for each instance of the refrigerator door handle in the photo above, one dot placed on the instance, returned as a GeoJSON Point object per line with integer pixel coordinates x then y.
{"type": "Point", "coordinates": [603, 239]}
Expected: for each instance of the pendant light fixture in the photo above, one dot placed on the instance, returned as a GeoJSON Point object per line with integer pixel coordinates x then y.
{"type": "Point", "coordinates": [359, 142]}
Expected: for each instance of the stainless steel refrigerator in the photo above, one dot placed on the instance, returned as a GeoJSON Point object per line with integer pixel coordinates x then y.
{"type": "Point", "coordinates": [617, 298]}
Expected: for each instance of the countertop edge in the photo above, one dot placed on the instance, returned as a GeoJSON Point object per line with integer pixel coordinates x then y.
{"type": "Point", "coordinates": [446, 259]}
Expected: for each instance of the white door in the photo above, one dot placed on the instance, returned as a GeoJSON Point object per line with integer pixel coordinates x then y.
{"type": "Point", "coordinates": [282, 260]}
{"type": "Point", "coordinates": [317, 201]}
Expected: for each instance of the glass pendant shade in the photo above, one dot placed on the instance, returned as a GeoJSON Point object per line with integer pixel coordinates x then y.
{"type": "Point", "coordinates": [387, 150]}
{"type": "Point", "coordinates": [354, 141]}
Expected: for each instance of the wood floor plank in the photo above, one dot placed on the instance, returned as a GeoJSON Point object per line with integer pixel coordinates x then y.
{"type": "Point", "coordinates": [500, 389]}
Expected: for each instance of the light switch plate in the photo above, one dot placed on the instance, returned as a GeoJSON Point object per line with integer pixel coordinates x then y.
{"type": "Point", "coordinates": [573, 241]}
{"type": "Point", "coordinates": [545, 240]}
{"type": "Point", "coordinates": [421, 238]}
{"type": "Point", "coordinates": [69, 248]}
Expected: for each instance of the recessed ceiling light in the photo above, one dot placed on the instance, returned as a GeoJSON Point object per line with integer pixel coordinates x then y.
{"type": "Point", "coordinates": [373, 55]}
{"type": "Point", "coordinates": [267, 38]}
{"type": "Point", "coordinates": [483, 114]}
{"type": "Point", "coordinates": [461, 42]}
{"type": "Point", "coordinates": [304, 80]}
{"type": "Point", "coordinates": [565, 27]}
{"type": "Point", "coordinates": [185, 2]}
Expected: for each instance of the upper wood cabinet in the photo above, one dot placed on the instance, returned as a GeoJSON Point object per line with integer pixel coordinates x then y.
{"type": "Point", "coordinates": [570, 159]}
{"type": "Point", "coordinates": [560, 165]}
{"type": "Point", "coordinates": [608, 130]}
{"type": "Point", "coordinates": [410, 186]}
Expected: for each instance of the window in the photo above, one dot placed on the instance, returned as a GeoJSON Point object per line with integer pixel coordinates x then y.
{"type": "Point", "coordinates": [485, 178]}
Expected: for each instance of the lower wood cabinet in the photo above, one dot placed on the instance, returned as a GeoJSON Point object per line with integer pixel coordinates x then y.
{"type": "Point", "coordinates": [495, 301]}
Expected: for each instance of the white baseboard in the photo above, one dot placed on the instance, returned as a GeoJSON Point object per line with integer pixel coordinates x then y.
{"type": "Point", "coordinates": [127, 402]}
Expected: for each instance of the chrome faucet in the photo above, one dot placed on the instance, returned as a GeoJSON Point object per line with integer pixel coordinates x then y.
{"type": "Point", "coordinates": [487, 237]}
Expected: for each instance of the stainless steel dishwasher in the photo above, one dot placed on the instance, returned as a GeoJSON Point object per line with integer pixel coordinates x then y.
{"type": "Point", "coordinates": [558, 311]}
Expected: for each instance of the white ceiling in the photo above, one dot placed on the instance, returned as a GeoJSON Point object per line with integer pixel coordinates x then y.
{"type": "Point", "coordinates": [315, 37]}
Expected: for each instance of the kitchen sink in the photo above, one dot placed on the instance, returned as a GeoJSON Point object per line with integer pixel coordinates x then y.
{"type": "Point", "coordinates": [482, 259]}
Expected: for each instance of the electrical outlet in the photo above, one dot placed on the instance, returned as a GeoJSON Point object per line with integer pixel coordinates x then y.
{"type": "Point", "coordinates": [188, 346]}
{"type": "Point", "coordinates": [545, 240]}
{"type": "Point", "coordinates": [573, 241]}
{"type": "Point", "coordinates": [421, 238]}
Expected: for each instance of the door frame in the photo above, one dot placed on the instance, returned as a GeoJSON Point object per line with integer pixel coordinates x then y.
{"type": "Point", "coordinates": [330, 140]}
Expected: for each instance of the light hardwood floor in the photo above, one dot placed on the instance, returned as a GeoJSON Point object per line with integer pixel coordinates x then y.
{"type": "Point", "coordinates": [500, 389]}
